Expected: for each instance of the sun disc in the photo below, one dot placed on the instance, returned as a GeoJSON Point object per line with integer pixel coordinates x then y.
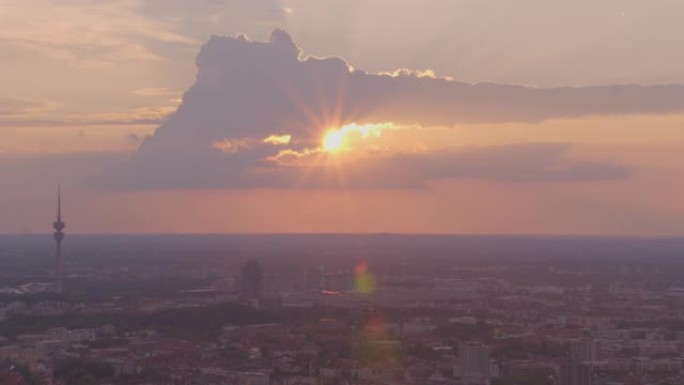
{"type": "Point", "coordinates": [333, 140]}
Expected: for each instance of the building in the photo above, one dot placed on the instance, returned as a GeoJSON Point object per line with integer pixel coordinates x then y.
{"type": "Point", "coordinates": [252, 281]}
{"type": "Point", "coordinates": [314, 279]}
{"type": "Point", "coordinates": [582, 356]}
{"type": "Point", "coordinates": [341, 281]}
{"type": "Point", "coordinates": [573, 373]}
{"type": "Point", "coordinates": [585, 351]}
{"type": "Point", "coordinates": [475, 368]}
{"type": "Point", "coordinates": [526, 369]}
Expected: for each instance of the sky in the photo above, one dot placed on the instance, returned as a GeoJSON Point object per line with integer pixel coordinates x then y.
{"type": "Point", "coordinates": [266, 116]}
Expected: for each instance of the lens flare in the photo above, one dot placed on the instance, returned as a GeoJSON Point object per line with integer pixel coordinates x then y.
{"type": "Point", "coordinates": [364, 282]}
{"type": "Point", "coordinates": [374, 345]}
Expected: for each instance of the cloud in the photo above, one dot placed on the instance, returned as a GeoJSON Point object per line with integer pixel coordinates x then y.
{"type": "Point", "coordinates": [37, 170]}
{"type": "Point", "coordinates": [12, 106]}
{"type": "Point", "coordinates": [247, 91]}
{"type": "Point", "coordinates": [86, 32]}
{"type": "Point", "coordinates": [278, 140]}
{"type": "Point", "coordinates": [514, 163]}
{"type": "Point", "coordinates": [231, 146]}
{"type": "Point", "coordinates": [123, 121]}
{"type": "Point", "coordinates": [149, 115]}
{"type": "Point", "coordinates": [133, 138]}
{"type": "Point", "coordinates": [155, 91]}
{"type": "Point", "coordinates": [239, 167]}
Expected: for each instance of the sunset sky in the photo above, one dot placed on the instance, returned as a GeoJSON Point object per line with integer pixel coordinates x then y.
{"type": "Point", "coordinates": [432, 116]}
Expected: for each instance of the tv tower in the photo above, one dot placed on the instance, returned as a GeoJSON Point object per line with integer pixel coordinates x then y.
{"type": "Point", "coordinates": [59, 226]}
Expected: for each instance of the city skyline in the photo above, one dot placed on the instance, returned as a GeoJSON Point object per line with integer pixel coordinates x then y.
{"type": "Point", "coordinates": [341, 192]}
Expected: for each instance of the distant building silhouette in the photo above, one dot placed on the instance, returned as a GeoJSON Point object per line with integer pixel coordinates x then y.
{"type": "Point", "coordinates": [576, 373]}
{"type": "Point", "coordinates": [271, 302]}
{"type": "Point", "coordinates": [585, 351]}
{"type": "Point", "coordinates": [578, 369]}
{"type": "Point", "coordinates": [339, 281]}
{"type": "Point", "coordinates": [59, 226]}
{"type": "Point", "coordinates": [252, 280]}
{"type": "Point", "coordinates": [475, 365]}
{"type": "Point", "coordinates": [315, 279]}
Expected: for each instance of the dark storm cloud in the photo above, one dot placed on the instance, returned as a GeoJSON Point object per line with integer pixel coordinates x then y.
{"type": "Point", "coordinates": [246, 91]}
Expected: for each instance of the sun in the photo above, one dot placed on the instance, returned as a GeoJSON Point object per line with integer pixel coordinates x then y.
{"type": "Point", "coordinates": [343, 138]}
{"type": "Point", "coordinates": [333, 141]}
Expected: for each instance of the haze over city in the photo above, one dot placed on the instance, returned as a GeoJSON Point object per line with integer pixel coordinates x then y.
{"type": "Point", "coordinates": [456, 117]}
{"type": "Point", "coordinates": [341, 192]}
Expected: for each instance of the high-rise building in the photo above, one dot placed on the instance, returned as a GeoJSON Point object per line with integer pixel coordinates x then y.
{"type": "Point", "coordinates": [59, 226]}
{"type": "Point", "coordinates": [252, 280]}
{"type": "Point", "coordinates": [584, 351]}
{"type": "Point", "coordinates": [339, 281]}
{"type": "Point", "coordinates": [476, 364]}
{"type": "Point", "coordinates": [576, 373]}
{"type": "Point", "coordinates": [582, 355]}
{"type": "Point", "coordinates": [315, 279]}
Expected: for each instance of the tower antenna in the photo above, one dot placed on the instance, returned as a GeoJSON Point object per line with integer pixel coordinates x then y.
{"type": "Point", "coordinates": [59, 226]}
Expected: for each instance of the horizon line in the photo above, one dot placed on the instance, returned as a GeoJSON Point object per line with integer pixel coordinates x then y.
{"type": "Point", "coordinates": [378, 233]}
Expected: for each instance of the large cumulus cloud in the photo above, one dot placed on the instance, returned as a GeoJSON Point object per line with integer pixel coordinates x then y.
{"type": "Point", "coordinates": [246, 91]}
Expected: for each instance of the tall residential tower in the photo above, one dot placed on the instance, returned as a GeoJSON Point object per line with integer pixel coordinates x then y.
{"type": "Point", "coordinates": [252, 280]}
{"type": "Point", "coordinates": [59, 226]}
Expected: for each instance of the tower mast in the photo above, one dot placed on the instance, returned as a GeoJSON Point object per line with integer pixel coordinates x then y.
{"type": "Point", "coordinates": [59, 226]}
